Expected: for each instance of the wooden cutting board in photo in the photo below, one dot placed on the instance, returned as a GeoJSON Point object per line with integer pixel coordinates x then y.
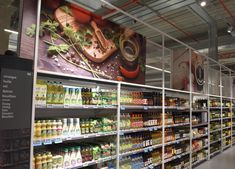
{"type": "Point", "coordinates": [100, 48]}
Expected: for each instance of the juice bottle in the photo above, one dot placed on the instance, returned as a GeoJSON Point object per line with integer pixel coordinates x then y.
{"type": "Point", "coordinates": [54, 129]}
{"type": "Point", "coordinates": [38, 130]}
{"type": "Point", "coordinates": [49, 93]}
{"type": "Point", "coordinates": [49, 160]}
{"type": "Point", "coordinates": [71, 126]}
{"type": "Point", "coordinates": [38, 161]}
{"type": "Point", "coordinates": [59, 128]}
{"type": "Point", "coordinates": [87, 126]}
{"type": "Point", "coordinates": [82, 126]}
{"type": "Point", "coordinates": [54, 92]}
{"type": "Point", "coordinates": [61, 93]}
{"type": "Point", "coordinates": [73, 100]}
{"type": "Point", "coordinates": [66, 96]}
{"type": "Point", "coordinates": [44, 161]}
{"type": "Point", "coordinates": [43, 129]}
{"type": "Point", "coordinates": [49, 129]}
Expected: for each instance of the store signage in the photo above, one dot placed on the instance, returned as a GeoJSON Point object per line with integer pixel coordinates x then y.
{"type": "Point", "coordinates": [78, 42]}
{"type": "Point", "coordinates": [16, 89]}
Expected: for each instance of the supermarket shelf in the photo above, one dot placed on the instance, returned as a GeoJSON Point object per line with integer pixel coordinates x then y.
{"type": "Point", "coordinates": [201, 110]}
{"type": "Point", "coordinates": [58, 106]}
{"type": "Point", "coordinates": [177, 125]}
{"type": "Point", "coordinates": [213, 131]}
{"type": "Point", "coordinates": [90, 163]}
{"type": "Point", "coordinates": [217, 119]}
{"type": "Point", "coordinates": [226, 147]}
{"type": "Point", "coordinates": [152, 165]}
{"type": "Point", "coordinates": [226, 118]}
{"type": "Point", "coordinates": [229, 127]}
{"type": "Point", "coordinates": [206, 146]}
{"type": "Point", "coordinates": [215, 153]}
{"type": "Point", "coordinates": [200, 136]}
{"type": "Point", "coordinates": [64, 139]}
{"type": "Point", "coordinates": [213, 142]}
{"type": "Point", "coordinates": [177, 108]}
{"type": "Point", "coordinates": [226, 107]}
{"type": "Point", "coordinates": [154, 128]}
{"type": "Point", "coordinates": [199, 125]}
{"type": "Point", "coordinates": [199, 161]}
{"type": "Point", "coordinates": [176, 141]}
{"type": "Point", "coordinates": [227, 137]}
{"type": "Point", "coordinates": [176, 156]}
{"type": "Point", "coordinates": [141, 107]}
{"type": "Point", "coordinates": [147, 149]}
{"type": "Point", "coordinates": [215, 107]}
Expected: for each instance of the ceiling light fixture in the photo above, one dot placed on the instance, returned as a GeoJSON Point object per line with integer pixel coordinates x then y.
{"type": "Point", "coordinates": [203, 3]}
{"type": "Point", "coordinates": [11, 31]}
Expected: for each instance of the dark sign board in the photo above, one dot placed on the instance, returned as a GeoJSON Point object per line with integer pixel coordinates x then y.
{"type": "Point", "coordinates": [16, 81]}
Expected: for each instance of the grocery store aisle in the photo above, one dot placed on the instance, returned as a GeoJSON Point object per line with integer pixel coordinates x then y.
{"type": "Point", "coordinates": [225, 160]}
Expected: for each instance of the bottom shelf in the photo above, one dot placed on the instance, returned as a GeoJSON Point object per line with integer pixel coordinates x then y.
{"type": "Point", "coordinates": [199, 162]}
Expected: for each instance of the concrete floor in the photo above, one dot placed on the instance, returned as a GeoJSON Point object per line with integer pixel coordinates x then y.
{"type": "Point", "coordinates": [225, 160]}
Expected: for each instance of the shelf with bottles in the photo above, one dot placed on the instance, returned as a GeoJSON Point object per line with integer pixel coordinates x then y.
{"type": "Point", "coordinates": [49, 131]}
{"type": "Point", "coordinates": [176, 135]}
{"type": "Point", "coordinates": [75, 156]}
{"type": "Point", "coordinates": [199, 119]}
{"type": "Point", "coordinates": [176, 101]}
{"type": "Point", "coordinates": [139, 98]}
{"type": "Point", "coordinates": [214, 103]}
{"type": "Point", "coordinates": [147, 160]}
{"type": "Point", "coordinates": [173, 119]}
{"type": "Point", "coordinates": [215, 125]}
{"type": "Point", "coordinates": [183, 162]}
{"type": "Point", "coordinates": [215, 141]}
{"type": "Point", "coordinates": [199, 157]}
{"type": "Point", "coordinates": [226, 132]}
{"type": "Point", "coordinates": [199, 144]}
{"type": "Point", "coordinates": [199, 103]}
{"type": "Point", "coordinates": [173, 152]}
{"type": "Point", "coordinates": [57, 93]}
{"type": "Point", "coordinates": [226, 103]}
{"type": "Point", "coordinates": [226, 141]}
{"type": "Point", "coordinates": [140, 121]}
{"type": "Point", "coordinates": [214, 152]}
{"type": "Point", "coordinates": [140, 142]}
{"type": "Point", "coordinates": [199, 132]}
{"type": "Point", "coordinates": [226, 115]}
{"type": "Point", "coordinates": [215, 115]}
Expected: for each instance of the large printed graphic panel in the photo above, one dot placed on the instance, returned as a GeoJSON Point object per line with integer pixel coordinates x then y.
{"type": "Point", "coordinates": [75, 41]}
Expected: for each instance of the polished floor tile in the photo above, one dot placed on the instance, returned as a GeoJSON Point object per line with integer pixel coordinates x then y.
{"type": "Point", "coordinates": [225, 160]}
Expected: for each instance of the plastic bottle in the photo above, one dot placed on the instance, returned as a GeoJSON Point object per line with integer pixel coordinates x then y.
{"type": "Point", "coordinates": [49, 160]}
{"type": "Point", "coordinates": [54, 128]}
{"type": "Point", "coordinates": [65, 127]}
{"type": "Point", "coordinates": [38, 130]}
{"type": "Point", "coordinates": [73, 159]}
{"type": "Point", "coordinates": [66, 96]}
{"type": "Point", "coordinates": [49, 129]}
{"type": "Point", "coordinates": [77, 127]}
{"type": "Point", "coordinates": [44, 161]}
{"type": "Point", "coordinates": [43, 130]}
{"type": "Point", "coordinates": [61, 93]}
{"type": "Point", "coordinates": [59, 128]}
{"type": "Point", "coordinates": [78, 155]}
{"type": "Point", "coordinates": [66, 162]}
{"type": "Point", "coordinates": [38, 161]}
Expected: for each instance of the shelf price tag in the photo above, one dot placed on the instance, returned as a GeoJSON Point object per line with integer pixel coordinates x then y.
{"type": "Point", "coordinates": [145, 108]}
{"type": "Point", "coordinates": [47, 142]}
{"type": "Point", "coordinates": [146, 150]}
{"type": "Point", "coordinates": [150, 129]}
{"type": "Point", "coordinates": [37, 143]}
{"type": "Point", "coordinates": [58, 140]}
{"type": "Point", "coordinates": [122, 108]}
{"type": "Point", "coordinates": [85, 165]}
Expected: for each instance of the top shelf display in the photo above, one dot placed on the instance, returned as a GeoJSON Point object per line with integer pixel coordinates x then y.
{"type": "Point", "coordinates": [55, 94]}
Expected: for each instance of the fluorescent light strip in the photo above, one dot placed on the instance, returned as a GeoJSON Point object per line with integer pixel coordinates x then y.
{"type": "Point", "coordinates": [159, 69]}
{"type": "Point", "coordinates": [11, 31]}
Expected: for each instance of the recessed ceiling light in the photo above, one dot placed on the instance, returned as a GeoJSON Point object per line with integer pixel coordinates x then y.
{"type": "Point", "coordinates": [203, 3]}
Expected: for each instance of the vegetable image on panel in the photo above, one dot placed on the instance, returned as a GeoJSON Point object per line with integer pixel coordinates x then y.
{"type": "Point", "coordinates": [75, 41]}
